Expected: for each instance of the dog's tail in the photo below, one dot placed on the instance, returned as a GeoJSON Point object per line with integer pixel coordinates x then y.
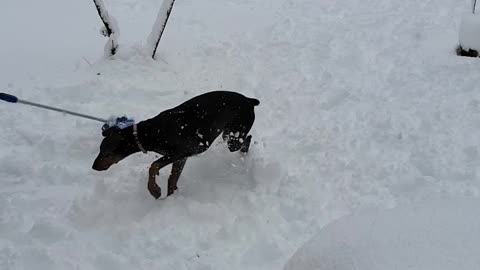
{"type": "Point", "coordinates": [254, 101]}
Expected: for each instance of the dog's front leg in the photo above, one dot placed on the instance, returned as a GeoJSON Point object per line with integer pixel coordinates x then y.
{"type": "Point", "coordinates": [177, 169]}
{"type": "Point", "coordinates": [153, 172]}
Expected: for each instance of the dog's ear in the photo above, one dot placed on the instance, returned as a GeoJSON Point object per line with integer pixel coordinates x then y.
{"type": "Point", "coordinates": [110, 131]}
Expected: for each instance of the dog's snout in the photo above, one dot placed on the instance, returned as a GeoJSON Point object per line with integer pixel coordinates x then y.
{"type": "Point", "coordinates": [97, 167]}
{"type": "Point", "coordinates": [101, 164]}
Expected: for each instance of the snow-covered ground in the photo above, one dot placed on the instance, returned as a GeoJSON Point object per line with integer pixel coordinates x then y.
{"type": "Point", "coordinates": [364, 104]}
{"type": "Point", "coordinates": [439, 234]}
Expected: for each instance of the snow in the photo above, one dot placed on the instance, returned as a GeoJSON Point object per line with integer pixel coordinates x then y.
{"type": "Point", "coordinates": [364, 104]}
{"type": "Point", "coordinates": [41, 39]}
{"type": "Point", "coordinates": [470, 32]}
{"type": "Point", "coordinates": [438, 234]}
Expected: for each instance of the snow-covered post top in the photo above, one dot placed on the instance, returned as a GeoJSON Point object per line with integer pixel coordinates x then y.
{"type": "Point", "coordinates": [159, 26]}
{"type": "Point", "coordinates": [110, 28]}
{"type": "Point", "coordinates": [469, 35]}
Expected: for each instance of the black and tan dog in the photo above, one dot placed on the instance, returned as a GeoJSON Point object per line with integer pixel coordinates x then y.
{"type": "Point", "coordinates": [179, 133]}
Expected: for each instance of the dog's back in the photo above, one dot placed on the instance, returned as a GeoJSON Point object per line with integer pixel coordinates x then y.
{"type": "Point", "coordinates": [200, 120]}
{"type": "Point", "coordinates": [213, 103]}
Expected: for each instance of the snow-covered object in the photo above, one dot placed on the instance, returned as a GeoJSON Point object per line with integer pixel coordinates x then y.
{"type": "Point", "coordinates": [470, 32]}
{"type": "Point", "coordinates": [435, 235]}
{"type": "Point", "coordinates": [159, 26]}
{"type": "Point", "coordinates": [120, 122]}
{"type": "Point", "coordinates": [110, 28]}
{"type": "Point", "coordinates": [111, 47]}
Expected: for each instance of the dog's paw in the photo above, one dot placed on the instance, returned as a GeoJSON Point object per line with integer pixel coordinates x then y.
{"type": "Point", "coordinates": [171, 190]}
{"type": "Point", "coordinates": [246, 144]}
{"type": "Point", "coordinates": [155, 190]}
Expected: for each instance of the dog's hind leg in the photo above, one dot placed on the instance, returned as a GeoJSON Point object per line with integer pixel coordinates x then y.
{"type": "Point", "coordinates": [177, 169]}
{"type": "Point", "coordinates": [235, 133]}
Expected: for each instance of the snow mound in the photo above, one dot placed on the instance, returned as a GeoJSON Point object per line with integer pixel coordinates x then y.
{"type": "Point", "coordinates": [470, 32]}
{"type": "Point", "coordinates": [434, 235]}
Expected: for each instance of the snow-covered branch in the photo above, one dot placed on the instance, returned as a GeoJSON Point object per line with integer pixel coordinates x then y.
{"type": "Point", "coordinates": [159, 27]}
{"type": "Point", "coordinates": [110, 28]}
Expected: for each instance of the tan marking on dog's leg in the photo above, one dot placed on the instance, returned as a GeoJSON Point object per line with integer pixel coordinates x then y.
{"type": "Point", "coordinates": [152, 186]}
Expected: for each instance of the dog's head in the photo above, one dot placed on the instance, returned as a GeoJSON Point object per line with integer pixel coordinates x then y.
{"type": "Point", "coordinates": [116, 146]}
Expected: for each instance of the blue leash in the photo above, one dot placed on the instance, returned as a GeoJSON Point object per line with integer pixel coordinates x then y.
{"type": "Point", "coordinates": [121, 122]}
